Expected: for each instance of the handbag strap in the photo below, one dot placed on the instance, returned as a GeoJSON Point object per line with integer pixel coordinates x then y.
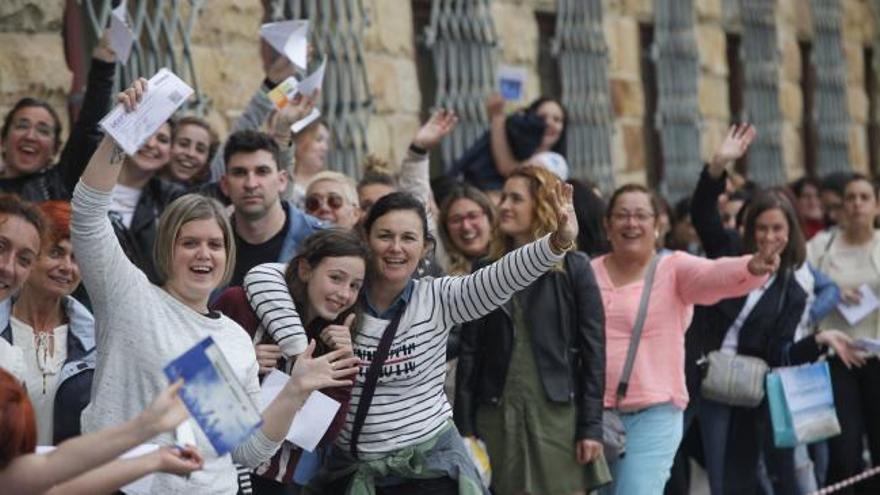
{"type": "Point", "coordinates": [637, 330]}
{"type": "Point", "coordinates": [372, 377]}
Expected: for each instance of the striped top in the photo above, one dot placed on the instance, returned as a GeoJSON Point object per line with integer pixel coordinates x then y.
{"type": "Point", "coordinates": [409, 405]}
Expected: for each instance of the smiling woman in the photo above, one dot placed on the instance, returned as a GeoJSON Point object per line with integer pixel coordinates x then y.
{"type": "Point", "coordinates": [195, 251]}
{"type": "Point", "coordinates": [54, 331]}
{"type": "Point", "coordinates": [399, 412]}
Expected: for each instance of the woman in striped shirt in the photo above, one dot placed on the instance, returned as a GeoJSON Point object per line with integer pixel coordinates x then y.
{"type": "Point", "coordinates": [405, 440]}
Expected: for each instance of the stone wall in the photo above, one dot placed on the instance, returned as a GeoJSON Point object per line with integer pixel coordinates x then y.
{"type": "Point", "coordinates": [226, 51]}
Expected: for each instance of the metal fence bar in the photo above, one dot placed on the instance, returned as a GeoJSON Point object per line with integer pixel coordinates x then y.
{"type": "Point", "coordinates": [832, 114]}
{"type": "Point", "coordinates": [163, 38]}
{"type": "Point", "coordinates": [678, 115]}
{"type": "Point", "coordinates": [580, 46]}
{"type": "Point", "coordinates": [761, 63]}
{"type": "Point", "coordinates": [336, 31]}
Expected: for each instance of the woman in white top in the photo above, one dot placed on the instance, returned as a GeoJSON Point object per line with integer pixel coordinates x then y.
{"type": "Point", "coordinates": [21, 230]}
{"type": "Point", "coordinates": [850, 255]}
{"type": "Point", "coordinates": [141, 327]}
{"type": "Point", "coordinates": [55, 332]}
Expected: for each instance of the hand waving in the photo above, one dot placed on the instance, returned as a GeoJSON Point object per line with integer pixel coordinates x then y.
{"type": "Point", "coordinates": [330, 370]}
{"type": "Point", "coordinates": [566, 218]}
{"type": "Point", "coordinates": [441, 123]}
{"type": "Point", "coordinates": [766, 260]}
{"type": "Point", "coordinates": [732, 148]}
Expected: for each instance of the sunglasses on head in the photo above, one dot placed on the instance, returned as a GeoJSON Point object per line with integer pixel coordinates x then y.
{"type": "Point", "coordinates": [313, 203]}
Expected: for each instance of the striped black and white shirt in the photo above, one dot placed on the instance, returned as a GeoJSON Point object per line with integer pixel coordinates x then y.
{"type": "Point", "coordinates": [409, 404]}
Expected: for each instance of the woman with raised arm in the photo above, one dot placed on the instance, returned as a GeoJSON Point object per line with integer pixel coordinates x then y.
{"type": "Point", "coordinates": [194, 253]}
{"type": "Point", "coordinates": [651, 407]}
{"type": "Point", "coordinates": [531, 374]}
{"type": "Point", "coordinates": [399, 434]}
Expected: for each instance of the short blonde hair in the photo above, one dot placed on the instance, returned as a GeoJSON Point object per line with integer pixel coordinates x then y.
{"type": "Point", "coordinates": [349, 189]}
{"type": "Point", "coordinates": [181, 211]}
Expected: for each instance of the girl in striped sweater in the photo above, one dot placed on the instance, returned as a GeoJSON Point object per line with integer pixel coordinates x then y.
{"type": "Point", "coordinates": [399, 436]}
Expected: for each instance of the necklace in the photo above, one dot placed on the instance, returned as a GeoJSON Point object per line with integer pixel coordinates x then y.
{"type": "Point", "coordinates": [42, 341]}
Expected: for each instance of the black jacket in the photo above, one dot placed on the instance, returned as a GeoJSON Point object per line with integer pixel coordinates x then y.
{"type": "Point", "coordinates": [767, 333]}
{"type": "Point", "coordinates": [567, 320]}
{"type": "Point", "coordinates": [58, 181]}
{"type": "Point", "coordinates": [137, 240]}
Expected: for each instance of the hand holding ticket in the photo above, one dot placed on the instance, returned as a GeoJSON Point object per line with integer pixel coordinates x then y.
{"type": "Point", "coordinates": [131, 129]}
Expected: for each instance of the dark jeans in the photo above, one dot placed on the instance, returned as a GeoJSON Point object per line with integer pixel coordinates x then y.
{"type": "Point", "coordinates": [857, 399]}
{"type": "Point", "coordinates": [265, 486]}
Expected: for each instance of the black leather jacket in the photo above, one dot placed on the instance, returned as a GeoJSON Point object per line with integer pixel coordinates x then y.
{"type": "Point", "coordinates": [58, 181]}
{"type": "Point", "coordinates": [567, 320]}
{"type": "Point", "coordinates": [137, 240]}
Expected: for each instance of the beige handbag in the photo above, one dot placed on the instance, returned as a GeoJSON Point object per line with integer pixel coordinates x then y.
{"type": "Point", "coordinates": [734, 379]}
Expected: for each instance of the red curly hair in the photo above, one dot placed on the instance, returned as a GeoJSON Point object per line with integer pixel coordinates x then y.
{"type": "Point", "coordinates": [18, 425]}
{"type": "Point", "coordinates": [58, 215]}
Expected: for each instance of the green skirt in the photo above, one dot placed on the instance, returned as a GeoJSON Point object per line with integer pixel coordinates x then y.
{"type": "Point", "coordinates": [530, 440]}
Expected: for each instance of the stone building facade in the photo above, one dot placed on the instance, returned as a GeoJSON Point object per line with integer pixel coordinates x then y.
{"type": "Point", "coordinates": [225, 48]}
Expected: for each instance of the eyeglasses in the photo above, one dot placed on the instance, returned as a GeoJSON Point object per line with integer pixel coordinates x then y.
{"type": "Point", "coordinates": [314, 202]}
{"type": "Point", "coordinates": [639, 216]}
{"type": "Point", "coordinates": [471, 216]}
{"type": "Point", "coordinates": [24, 125]}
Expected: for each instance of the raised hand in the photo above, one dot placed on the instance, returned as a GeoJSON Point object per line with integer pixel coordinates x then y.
{"type": "Point", "coordinates": [767, 259]}
{"type": "Point", "coordinates": [166, 411]}
{"type": "Point", "coordinates": [179, 460]}
{"type": "Point", "coordinates": [279, 69]}
{"type": "Point", "coordinates": [330, 370]}
{"type": "Point", "coordinates": [441, 123]}
{"type": "Point", "coordinates": [293, 112]}
{"type": "Point", "coordinates": [732, 148]}
{"type": "Point", "coordinates": [339, 336]}
{"type": "Point", "coordinates": [133, 95]}
{"type": "Point", "coordinates": [495, 105]}
{"type": "Point", "coordinates": [566, 218]}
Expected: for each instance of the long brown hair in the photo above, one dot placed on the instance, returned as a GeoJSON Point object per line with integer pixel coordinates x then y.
{"type": "Point", "coordinates": [795, 252]}
{"type": "Point", "coordinates": [542, 185]}
{"type": "Point", "coordinates": [329, 243]}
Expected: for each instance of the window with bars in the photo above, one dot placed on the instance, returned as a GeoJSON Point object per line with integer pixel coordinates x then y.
{"type": "Point", "coordinates": [809, 133]}
{"type": "Point", "coordinates": [653, 144]}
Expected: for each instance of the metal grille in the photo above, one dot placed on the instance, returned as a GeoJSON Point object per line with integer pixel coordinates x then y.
{"type": "Point", "coordinates": [761, 62]}
{"type": "Point", "coordinates": [678, 114]}
{"type": "Point", "coordinates": [336, 31]}
{"type": "Point", "coordinates": [832, 114]}
{"type": "Point", "coordinates": [162, 31]}
{"type": "Point", "coordinates": [463, 43]}
{"type": "Point", "coordinates": [583, 65]}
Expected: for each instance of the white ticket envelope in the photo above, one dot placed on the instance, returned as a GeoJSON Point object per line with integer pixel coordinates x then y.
{"type": "Point", "coordinates": [855, 313]}
{"type": "Point", "coordinates": [311, 421]}
{"type": "Point", "coordinates": [165, 94]}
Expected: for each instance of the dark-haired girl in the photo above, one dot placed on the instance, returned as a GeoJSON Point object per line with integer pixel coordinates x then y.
{"type": "Point", "coordinates": [404, 438]}
{"type": "Point", "coordinates": [324, 281]}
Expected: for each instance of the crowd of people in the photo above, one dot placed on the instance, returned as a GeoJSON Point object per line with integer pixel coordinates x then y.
{"type": "Point", "coordinates": [482, 331]}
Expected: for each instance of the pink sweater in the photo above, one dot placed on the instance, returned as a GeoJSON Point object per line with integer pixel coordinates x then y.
{"type": "Point", "coordinates": [681, 281]}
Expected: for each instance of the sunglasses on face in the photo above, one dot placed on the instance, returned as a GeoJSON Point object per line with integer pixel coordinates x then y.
{"type": "Point", "coordinates": [314, 202]}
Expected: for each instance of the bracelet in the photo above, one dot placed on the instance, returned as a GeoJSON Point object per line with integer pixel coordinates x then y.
{"type": "Point", "coordinates": [417, 149]}
{"type": "Point", "coordinates": [567, 247]}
